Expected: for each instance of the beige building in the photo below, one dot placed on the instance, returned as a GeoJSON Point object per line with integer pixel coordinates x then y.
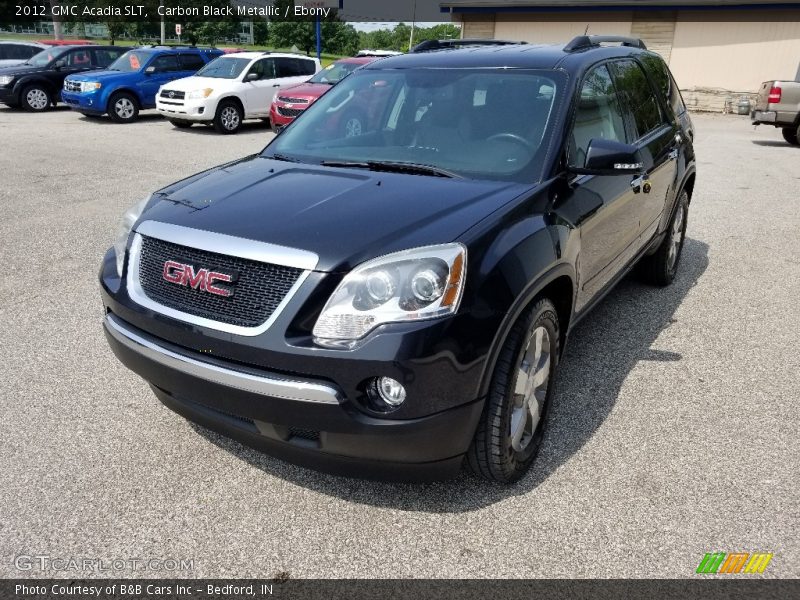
{"type": "Point", "coordinates": [719, 50]}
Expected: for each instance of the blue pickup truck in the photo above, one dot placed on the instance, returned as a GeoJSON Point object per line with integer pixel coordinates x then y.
{"type": "Point", "coordinates": [130, 83]}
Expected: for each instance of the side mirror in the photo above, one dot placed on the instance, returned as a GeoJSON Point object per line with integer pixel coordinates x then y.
{"type": "Point", "coordinates": [252, 77]}
{"type": "Point", "coordinates": [607, 157]}
{"type": "Point", "coordinates": [60, 63]}
{"type": "Point", "coordinates": [150, 70]}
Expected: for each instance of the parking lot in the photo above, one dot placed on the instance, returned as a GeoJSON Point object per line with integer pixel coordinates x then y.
{"type": "Point", "coordinates": [674, 430]}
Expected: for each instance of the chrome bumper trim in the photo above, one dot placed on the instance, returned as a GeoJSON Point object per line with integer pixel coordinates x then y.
{"type": "Point", "coordinates": [274, 386]}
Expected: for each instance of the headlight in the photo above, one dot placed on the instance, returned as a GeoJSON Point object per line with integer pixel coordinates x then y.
{"type": "Point", "coordinates": [205, 93]}
{"type": "Point", "coordinates": [6, 79]}
{"type": "Point", "coordinates": [124, 230]}
{"type": "Point", "coordinates": [412, 285]}
{"type": "Point", "coordinates": [88, 86]}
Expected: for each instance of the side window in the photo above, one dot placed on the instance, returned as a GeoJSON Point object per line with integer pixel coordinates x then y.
{"type": "Point", "coordinates": [307, 67]}
{"type": "Point", "coordinates": [191, 62]}
{"type": "Point", "coordinates": [103, 57]}
{"type": "Point", "coordinates": [79, 58]}
{"type": "Point", "coordinates": [264, 68]}
{"type": "Point", "coordinates": [6, 51]}
{"type": "Point", "coordinates": [294, 67]}
{"type": "Point", "coordinates": [664, 82]}
{"type": "Point", "coordinates": [640, 98]}
{"type": "Point", "coordinates": [166, 63]}
{"type": "Point", "coordinates": [597, 116]}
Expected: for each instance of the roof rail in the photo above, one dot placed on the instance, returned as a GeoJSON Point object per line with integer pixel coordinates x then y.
{"type": "Point", "coordinates": [590, 41]}
{"type": "Point", "coordinates": [429, 45]}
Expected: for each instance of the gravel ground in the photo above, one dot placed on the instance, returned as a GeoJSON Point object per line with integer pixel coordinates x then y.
{"type": "Point", "coordinates": [674, 432]}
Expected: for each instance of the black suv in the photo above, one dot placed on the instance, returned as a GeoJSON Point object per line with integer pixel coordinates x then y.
{"type": "Point", "coordinates": [390, 302]}
{"type": "Point", "coordinates": [36, 84]}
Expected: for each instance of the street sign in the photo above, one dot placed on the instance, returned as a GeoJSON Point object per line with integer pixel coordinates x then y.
{"type": "Point", "coordinates": [178, 29]}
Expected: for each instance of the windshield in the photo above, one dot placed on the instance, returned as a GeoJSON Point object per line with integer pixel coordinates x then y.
{"type": "Point", "coordinates": [44, 57]}
{"type": "Point", "coordinates": [132, 60]}
{"type": "Point", "coordinates": [335, 72]}
{"type": "Point", "coordinates": [224, 68]}
{"type": "Point", "coordinates": [475, 123]}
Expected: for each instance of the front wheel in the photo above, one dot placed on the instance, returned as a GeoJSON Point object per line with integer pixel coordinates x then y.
{"type": "Point", "coordinates": [660, 268]}
{"type": "Point", "coordinates": [36, 98]}
{"type": "Point", "coordinates": [122, 108]}
{"type": "Point", "coordinates": [512, 425]}
{"type": "Point", "coordinates": [228, 118]}
{"type": "Point", "coordinates": [792, 135]}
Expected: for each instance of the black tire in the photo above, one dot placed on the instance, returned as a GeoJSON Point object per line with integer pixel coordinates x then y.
{"type": "Point", "coordinates": [660, 268]}
{"type": "Point", "coordinates": [492, 454]}
{"type": "Point", "coordinates": [792, 135]}
{"type": "Point", "coordinates": [123, 108]}
{"type": "Point", "coordinates": [36, 98]}
{"type": "Point", "coordinates": [180, 124]}
{"type": "Point", "coordinates": [229, 116]}
{"type": "Point", "coordinates": [353, 124]}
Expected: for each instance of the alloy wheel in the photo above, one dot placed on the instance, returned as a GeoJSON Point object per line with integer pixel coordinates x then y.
{"type": "Point", "coordinates": [124, 108]}
{"type": "Point", "coordinates": [229, 118]}
{"type": "Point", "coordinates": [37, 99]}
{"type": "Point", "coordinates": [530, 389]}
{"type": "Point", "coordinates": [676, 238]}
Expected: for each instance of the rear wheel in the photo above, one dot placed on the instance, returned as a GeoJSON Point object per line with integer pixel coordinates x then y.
{"type": "Point", "coordinates": [228, 118]}
{"type": "Point", "coordinates": [512, 425]}
{"type": "Point", "coordinates": [36, 98]}
{"type": "Point", "coordinates": [660, 268]}
{"type": "Point", "coordinates": [122, 108]}
{"type": "Point", "coordinates": [792, 135]}
{"type": "Point", "coordinates": [180, 124]}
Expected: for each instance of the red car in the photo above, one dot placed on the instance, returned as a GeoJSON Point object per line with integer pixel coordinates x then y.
{"type": "Point", "coordinates": [290, 101]}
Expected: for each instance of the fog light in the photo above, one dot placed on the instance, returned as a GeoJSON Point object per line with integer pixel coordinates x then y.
{"type": "Point", "coordinates": [391, 391]}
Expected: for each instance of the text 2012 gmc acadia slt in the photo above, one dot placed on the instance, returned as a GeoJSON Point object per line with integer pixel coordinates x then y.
{"type": "Point", "coordinates": [393, 304]}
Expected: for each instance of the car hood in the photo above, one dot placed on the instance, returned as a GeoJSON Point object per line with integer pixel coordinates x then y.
{"type": "Point", "coordinates": [305, 90]}
{"type": "Point", "coordinates": [188, 84]}
{"type": "Point", "coordinates": [20, 69]}
{"type": "Point", "coordinates": [104, 74]}
{"type": "Point", "coordinates": [345, 216]}
{"type": "Point", "coordinates": [8, 62]}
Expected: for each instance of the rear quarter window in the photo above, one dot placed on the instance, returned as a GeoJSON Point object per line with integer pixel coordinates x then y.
{"type": "Point", "coordinates": [658, 70]}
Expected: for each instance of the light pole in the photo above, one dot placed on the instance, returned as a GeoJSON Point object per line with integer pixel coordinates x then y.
{"type": "Point", "coordinates": [413, 23]}
{"type": "Point", "coordinates": [163, 25]}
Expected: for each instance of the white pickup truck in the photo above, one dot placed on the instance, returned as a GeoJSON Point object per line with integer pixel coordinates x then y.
{"type": "Point", "coordinates": [779, 105]}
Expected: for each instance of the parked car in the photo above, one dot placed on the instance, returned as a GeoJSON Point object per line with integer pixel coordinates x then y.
{"type": "Point", "coordinates": [36, 84]}
{"type": "Point", "coordinates": [396, 303]}
{"type": "Point", "coordinates": [293, 100]}
{"type": "Point", "coordinates": [130, 84]}
{"type": "Point", "coordinates": [232, 88]}
{"type": "Point", "coordinates": [778, 105]}
{"type": "Point", "coordinates": [15, 53]}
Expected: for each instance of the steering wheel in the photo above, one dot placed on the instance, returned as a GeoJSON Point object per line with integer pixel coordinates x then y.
{"type": "Point", "coordinates": [511, 137]}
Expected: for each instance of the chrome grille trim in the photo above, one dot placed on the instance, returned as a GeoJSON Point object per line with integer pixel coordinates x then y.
{"type": "Point", "coordinates": [221, 244]}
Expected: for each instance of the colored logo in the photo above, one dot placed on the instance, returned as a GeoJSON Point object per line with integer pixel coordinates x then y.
{"type": "Point", "coordinates": [734, 562]}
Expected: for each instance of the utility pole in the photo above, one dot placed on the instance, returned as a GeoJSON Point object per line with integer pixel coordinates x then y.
{"type": "Point", "coordinates": [163, 25]}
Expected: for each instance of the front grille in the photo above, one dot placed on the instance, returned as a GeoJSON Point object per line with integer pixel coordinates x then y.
{"type": "Point", "coordinates": [258, 288]}
{"type": "Point", "coordinates": [289, 112]}
{"type": "Point", "coordinates": [293, 100]}
{"type": "Point", "coordinates": [173, 94]}
{"type": "Point", "coordinates": [306, 434]}
{"type": "Point", "coordinates": [72, 86]}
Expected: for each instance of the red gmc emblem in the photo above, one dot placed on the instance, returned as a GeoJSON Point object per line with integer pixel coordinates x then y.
{"type": "Point", "coordinates": [203, 279]}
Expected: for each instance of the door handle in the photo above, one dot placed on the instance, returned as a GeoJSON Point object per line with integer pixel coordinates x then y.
{"type": "Point", "coordinates": [276, 85]}
{"type": "Point", "coordinates": [673, 154]}
{"type": "Point", "coordinates": [641, 184]}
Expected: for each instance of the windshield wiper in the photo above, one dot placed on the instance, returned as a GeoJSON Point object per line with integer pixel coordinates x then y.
{"type": "Point", "coordinates": [392, 167]}
{"type": "Point", "coordinates": [284, 158]}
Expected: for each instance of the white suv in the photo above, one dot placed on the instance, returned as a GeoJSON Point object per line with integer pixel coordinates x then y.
{"type": "Point", "coordinates": [232, 88]}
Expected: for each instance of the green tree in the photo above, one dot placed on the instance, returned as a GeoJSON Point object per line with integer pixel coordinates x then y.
{"type": "Point", "coordinates": [260, 33]}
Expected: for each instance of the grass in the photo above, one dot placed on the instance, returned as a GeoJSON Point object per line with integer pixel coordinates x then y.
{"type": "Point", "coordinates": [326, 58]}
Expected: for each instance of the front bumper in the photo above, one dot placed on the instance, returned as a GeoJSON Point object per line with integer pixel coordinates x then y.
{"type": "Point", "coordinates": [304, 421]}
{"type": "Point", "coordinates": [189, 110]}
{"type": "Point", "coordinates": [7, 95]}
{"type": "Point", "coordinates": [85, 102]}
